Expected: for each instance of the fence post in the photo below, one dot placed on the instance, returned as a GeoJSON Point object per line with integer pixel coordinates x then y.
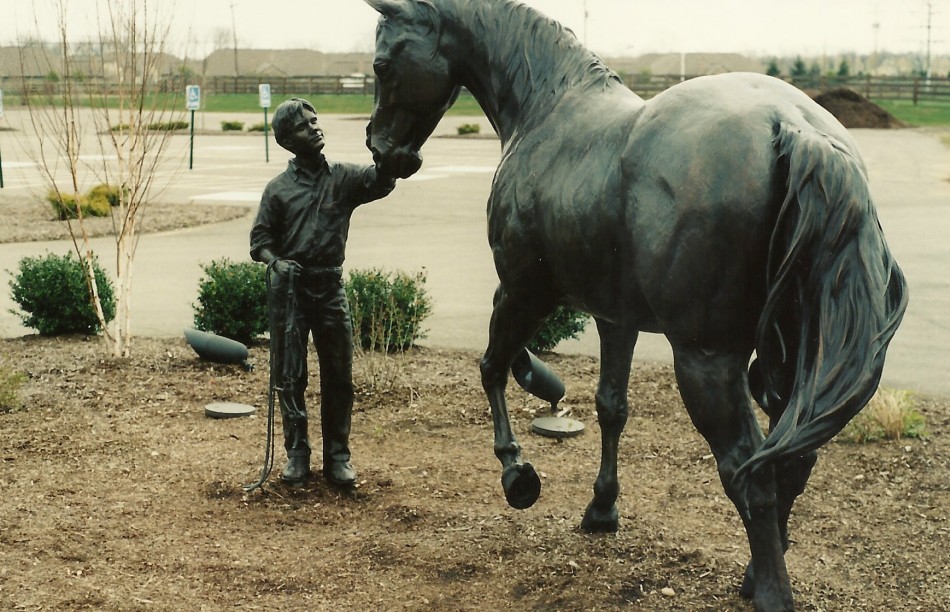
{"type": "Point", "coordinates": [916, 89]}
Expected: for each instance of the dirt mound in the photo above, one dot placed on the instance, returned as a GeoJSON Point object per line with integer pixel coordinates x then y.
{"type": "Point", "coordinates": [855, 111]}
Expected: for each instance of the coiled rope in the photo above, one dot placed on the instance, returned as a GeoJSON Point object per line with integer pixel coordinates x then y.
{"type": "Point", "coordinates": [277, 359]}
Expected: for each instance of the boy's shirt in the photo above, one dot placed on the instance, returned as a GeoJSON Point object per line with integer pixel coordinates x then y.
{"type": "Point", "coordinates": [305, 215]}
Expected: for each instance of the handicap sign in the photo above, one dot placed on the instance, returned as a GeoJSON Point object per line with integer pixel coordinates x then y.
{"type": "Point", "coordinates": [192, 97]}
{"type": "Point", "coordinates": [263, 91]}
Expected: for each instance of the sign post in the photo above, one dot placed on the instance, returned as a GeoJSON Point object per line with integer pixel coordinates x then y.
{"type": "Point", "coordinates": [263, 91]}
{"type": "Point", "coordinates": [192, 103]}
{"type": "Point", "coordinates": [1, 155]}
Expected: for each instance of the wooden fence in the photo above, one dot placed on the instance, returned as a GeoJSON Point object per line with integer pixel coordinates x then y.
{"type": "Point", "coordinates": [915, 89]}
{"type": "Point", "coordinates": [879, 88]}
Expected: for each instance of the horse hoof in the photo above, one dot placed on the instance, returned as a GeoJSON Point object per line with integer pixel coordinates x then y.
{"type": "Point", "coordinates": [597, 521]}
{"type": "Point", "coordinates": [522, 485]}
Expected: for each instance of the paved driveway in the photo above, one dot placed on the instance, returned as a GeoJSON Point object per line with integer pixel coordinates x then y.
{"type": "Point", "coordinates": [436, 221]}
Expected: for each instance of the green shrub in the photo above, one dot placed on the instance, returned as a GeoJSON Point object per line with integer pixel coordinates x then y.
{"type": "Point", "coordinates": [232, 126]}
{"type": "Point", "coordinates": [157, 126]}
{"type": "Point", "coordinates": [561, 324]}
{"type": "Point", "coordinates": [110, 194]}
{"type": "Point", "coordinates": [54, 297]}
{"type": "Point", "coordinates": [232, 300]}
{"type": "Point", "coordinates": [256, 127]}
{"type": "Point", "coordinates": [469, 128]}
{"type": "Point", "coordinates": [168, 126]}
{"type": "Point", "coordinates": [67, 205]}
{"type": "Point", "coordinates": [387, 309]}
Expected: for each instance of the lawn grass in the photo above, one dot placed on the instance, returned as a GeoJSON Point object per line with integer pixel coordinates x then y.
{"type": "Point", "coordinates": [922, 114]}
{"type": "Point", "coordinates": [332, 104]}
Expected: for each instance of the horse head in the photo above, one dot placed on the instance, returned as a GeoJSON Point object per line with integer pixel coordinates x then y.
{"type": "Point", "coordinates": [414, 86]}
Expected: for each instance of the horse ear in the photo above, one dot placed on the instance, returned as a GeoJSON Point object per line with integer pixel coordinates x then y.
{"type": "Point", "coordinates": [388, 8]}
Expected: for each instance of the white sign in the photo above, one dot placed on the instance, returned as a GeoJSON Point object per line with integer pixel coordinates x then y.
{"type": "Point", "coordinates": [263, 91]}
{"type": "Point", "coordinates": [192, 97]}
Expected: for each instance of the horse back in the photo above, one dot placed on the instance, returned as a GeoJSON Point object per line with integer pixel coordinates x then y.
{"type": "Point", "coordinates": [672, 200]}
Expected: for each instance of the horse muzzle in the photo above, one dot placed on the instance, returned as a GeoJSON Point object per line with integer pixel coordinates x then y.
{"type": "Point", "coordinates": [399, 163]}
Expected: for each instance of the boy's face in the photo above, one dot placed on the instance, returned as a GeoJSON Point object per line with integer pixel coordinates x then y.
{"type": "Point", "coordinates": [306, 137]}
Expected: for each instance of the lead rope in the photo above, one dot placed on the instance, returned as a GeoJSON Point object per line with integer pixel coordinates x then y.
{"type": "Point", "coordinates": [273, 388]}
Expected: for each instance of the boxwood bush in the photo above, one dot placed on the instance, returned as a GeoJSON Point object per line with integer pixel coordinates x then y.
{"type": "Point", "coordinates": [53, 295]}
{"type": "Point", "coordinates": [232, 300]}
{"type": "Point", "coordinates": [387, 308]}
{"type": "Point", "coordinates": [560, 325]}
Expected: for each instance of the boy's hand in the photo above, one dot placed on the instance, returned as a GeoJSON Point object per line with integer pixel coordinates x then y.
{"type": "Point", "coordinates": [283, 266]}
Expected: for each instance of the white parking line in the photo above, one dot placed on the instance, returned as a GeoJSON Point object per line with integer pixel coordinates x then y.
{"type": "Point", "coordinates": [231, 196]}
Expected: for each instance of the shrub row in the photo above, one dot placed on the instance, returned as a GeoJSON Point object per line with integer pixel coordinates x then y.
{"type": "Point", "coordinates": [237, 126]}
{"type": "Point", "coordinates": [387, 309]}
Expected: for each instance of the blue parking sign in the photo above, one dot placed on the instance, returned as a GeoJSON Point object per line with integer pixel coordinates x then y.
{"type": "Point", "coordinates": [263, 91]}
{"type": "Point", "coordinates": [192, 97]}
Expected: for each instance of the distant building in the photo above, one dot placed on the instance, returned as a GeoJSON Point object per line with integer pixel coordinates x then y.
{"type": "Point", "coordinates": [282, 63]}
{"type": "Point", "coordinates": [689, 64]}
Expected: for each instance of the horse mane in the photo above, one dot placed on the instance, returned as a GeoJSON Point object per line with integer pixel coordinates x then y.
{"type": "Point", "coordinates": [542, 58]}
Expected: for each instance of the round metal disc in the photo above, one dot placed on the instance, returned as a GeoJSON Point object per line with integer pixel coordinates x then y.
{"type": "Point", "coordinates": [557, 427]}
{"type": "Point", "coordinates": [228, 410]}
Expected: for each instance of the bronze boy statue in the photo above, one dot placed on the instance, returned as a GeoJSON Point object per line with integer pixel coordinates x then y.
{"type": "Point", "coordinates": [300, 232]}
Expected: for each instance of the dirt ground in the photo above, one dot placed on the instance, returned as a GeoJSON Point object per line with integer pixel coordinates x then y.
{"type": "Point", "coordinates": [26, 219]}
{"type": "Point", "coordinates": [118, 493]}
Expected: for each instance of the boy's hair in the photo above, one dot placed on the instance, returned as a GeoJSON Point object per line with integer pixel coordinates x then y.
{"type": "Point", "coordinates": [285, 117]}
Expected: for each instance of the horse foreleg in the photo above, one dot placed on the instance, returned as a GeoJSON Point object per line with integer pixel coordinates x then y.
{"type": "Point", "coordinates": [616, 354]}
{"type": "Point", "coordinates": [512, 324]}
{"type": "Point", "coordinates": [716, 394]}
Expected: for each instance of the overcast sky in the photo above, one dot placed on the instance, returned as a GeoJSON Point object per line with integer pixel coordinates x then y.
{"type": "Point", "coordinates": [613, 27]}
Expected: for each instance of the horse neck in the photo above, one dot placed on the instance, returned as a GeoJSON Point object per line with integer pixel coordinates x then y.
{"type": "Point", "coordinates": [517, 63]}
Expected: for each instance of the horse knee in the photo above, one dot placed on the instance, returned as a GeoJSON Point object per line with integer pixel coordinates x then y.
{"type": "Point", "coordinates": [492, 376]}
{"type": "Point", "coordinates": [612, 411]}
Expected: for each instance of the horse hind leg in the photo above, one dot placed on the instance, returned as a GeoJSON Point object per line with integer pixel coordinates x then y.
{"type": "Point", "coordinates": [514, 320]}
{"type": "Point", "coordinates": [716, 394]}
{"type": "Point", "coordinates": [616, 354]}
{"type": "Point", "coordinates": [791, 477]}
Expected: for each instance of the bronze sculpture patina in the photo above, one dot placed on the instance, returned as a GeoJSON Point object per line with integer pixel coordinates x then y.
{"type": "Point", "coordinates": [730, 213]}
{"type": "Point", "coordinates": [300, 231]}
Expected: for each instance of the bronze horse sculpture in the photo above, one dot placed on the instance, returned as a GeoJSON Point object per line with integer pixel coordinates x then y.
{"type": "Point", "coordinates": [730, 213]}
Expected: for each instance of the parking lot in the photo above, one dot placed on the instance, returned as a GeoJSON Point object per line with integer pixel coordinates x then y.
{"type": "Point", "coordinates": [436, 221]}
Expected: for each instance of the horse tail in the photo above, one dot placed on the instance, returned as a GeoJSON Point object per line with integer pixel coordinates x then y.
{"type": "Point", "coordinates": [835, 298]}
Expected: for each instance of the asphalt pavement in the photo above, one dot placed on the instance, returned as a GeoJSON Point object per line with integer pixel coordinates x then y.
{"type": "Point", "coordinates": [436, 221]}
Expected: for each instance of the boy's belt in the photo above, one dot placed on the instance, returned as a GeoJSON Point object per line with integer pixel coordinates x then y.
{"type": "Point", "coordinates": [313, 274]}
